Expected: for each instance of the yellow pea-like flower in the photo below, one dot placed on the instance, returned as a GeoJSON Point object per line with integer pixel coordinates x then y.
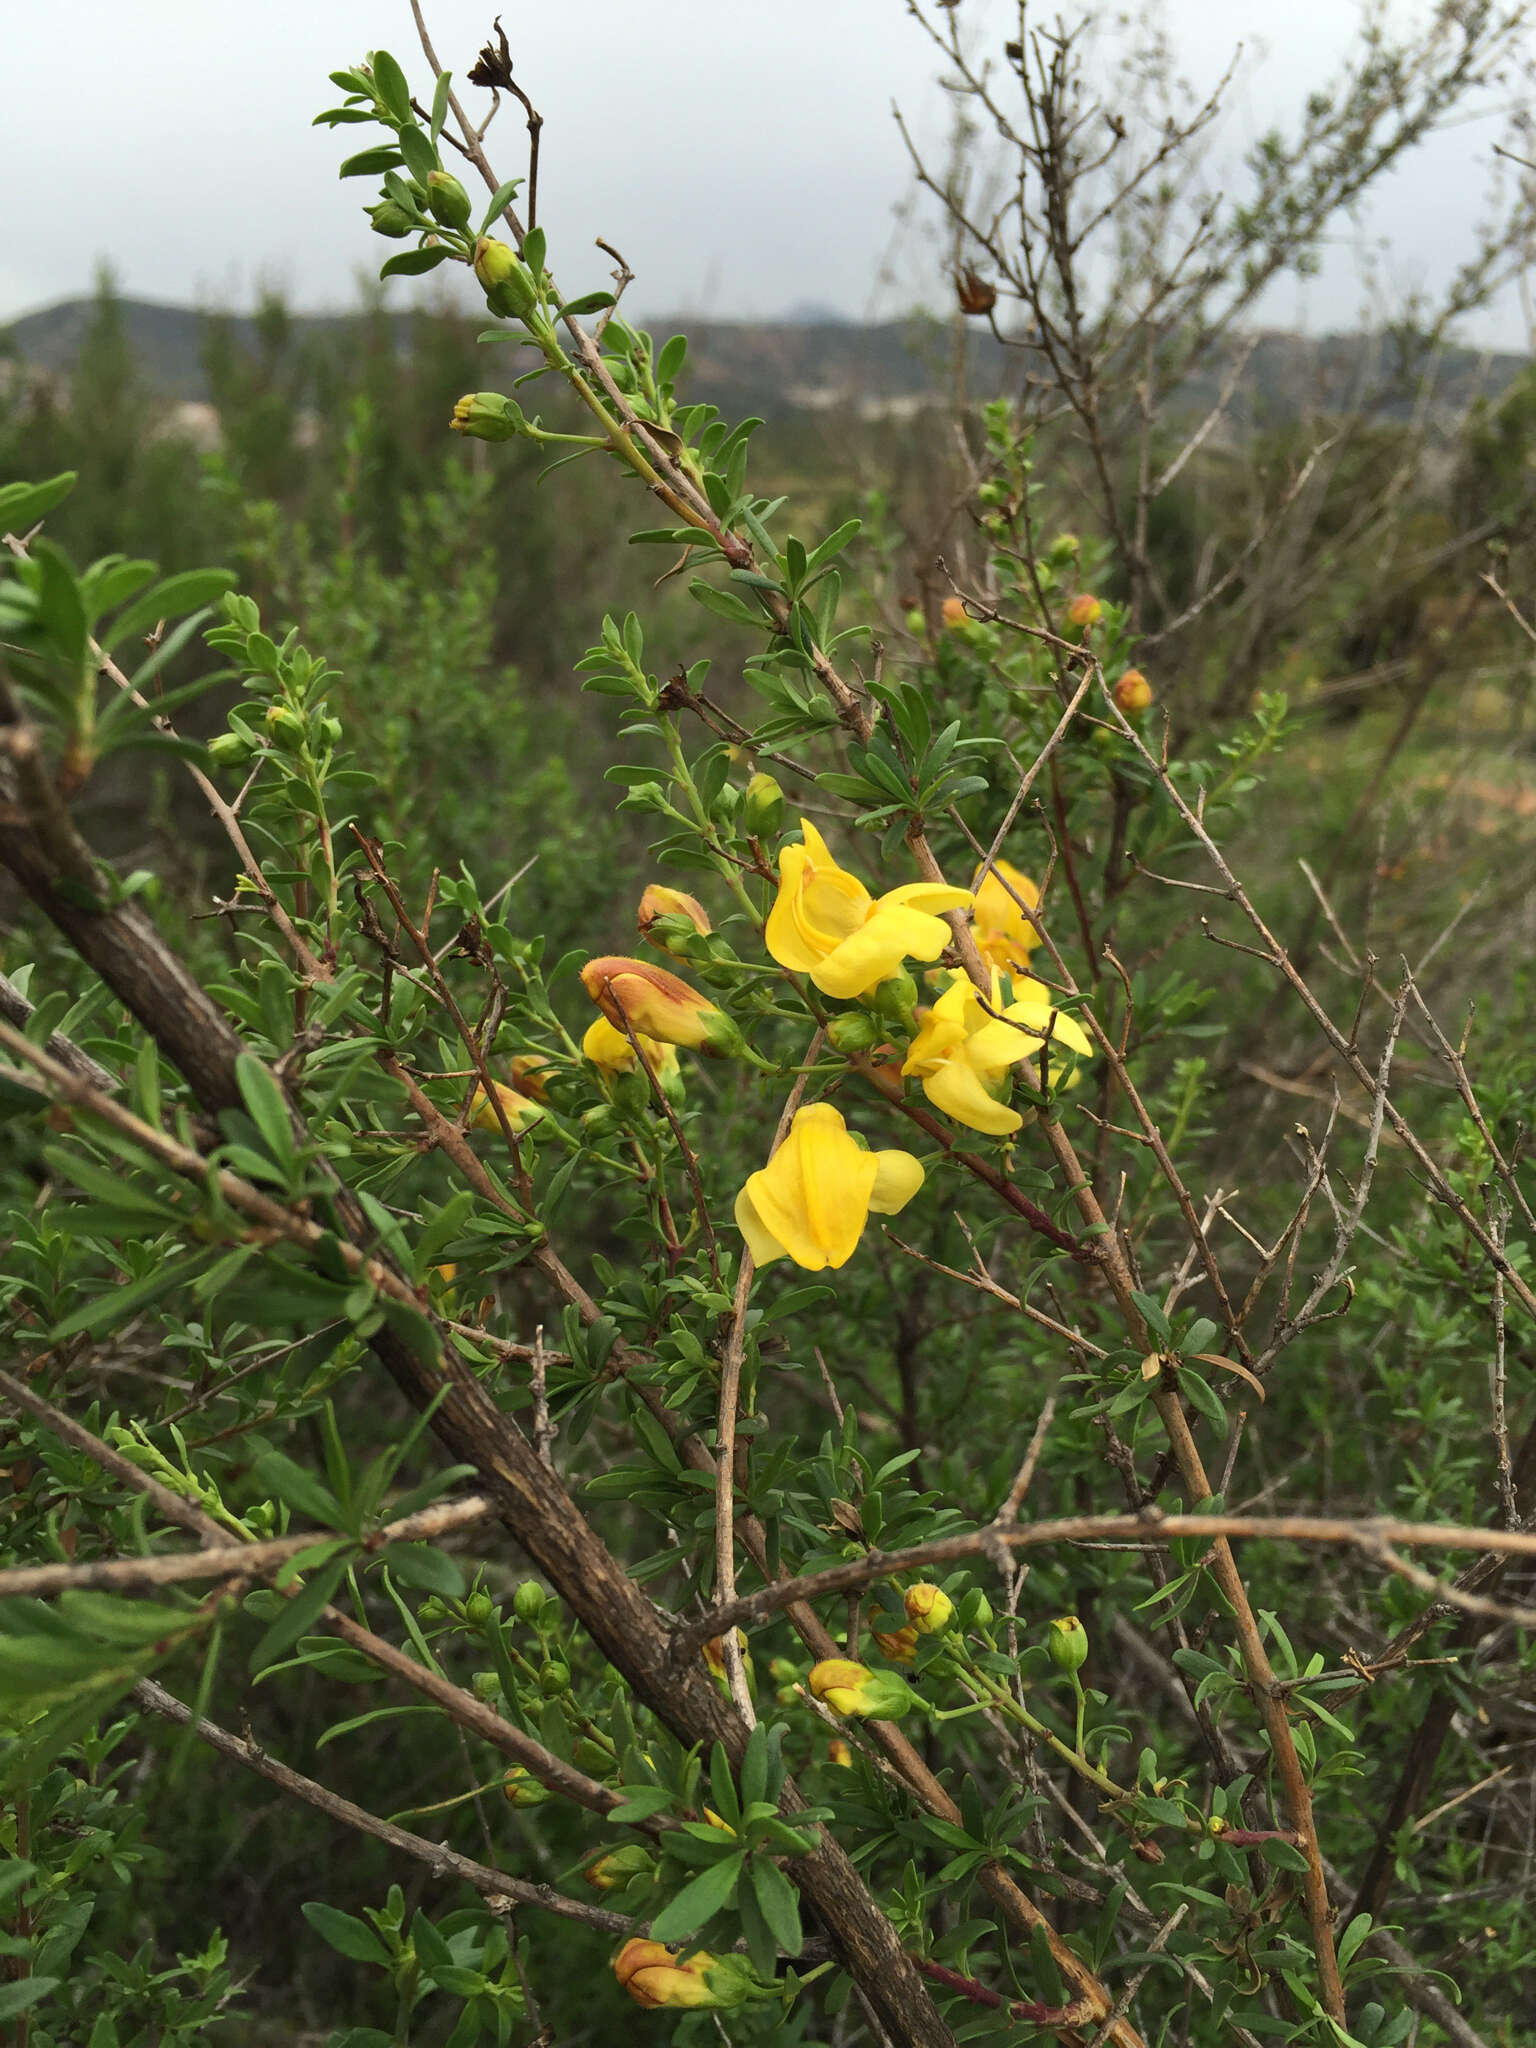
{"type": "Point", "coordinates": [810, 1203]}
{"type": "Point", "coordinates": [826, 924]}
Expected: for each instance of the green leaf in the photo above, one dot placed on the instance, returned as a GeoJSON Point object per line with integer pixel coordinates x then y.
{"type": "Point", "coordinates": [188, 592]}
{"type": "Point", "coordinates": [296, 1487]}
{"type": "Point", "coordinates": [298, 1613]}
{"type": "Point", "coordinates": [15, 1998]}
{"type": "Point", "coordinates": [426, 1570]}
{"type": "Point", "coordinates": [268, 1107]}
{"type": "Point", "coordinates": [368, 163]}
{"type": "Point", "coordinates": [501, 199]}
{"type": "Point", "coordinates": [414, 262]}
{"type": "Point", "coordinates": [1285, 1856]}
{"type": "Point", "coordinates": [118, 1304]}
{"type": "Point", "coordinates": [440, 103]}
{"type": "Point", "coordinates": [352, 1938]}
{"type": "Point", "coordinates": [22, 505]}
{"type": "Point", "coordinates": [698, 1902]}
{"type": "Point", "coordinates": [390, 83]}
{"type": "Point", "coordinates": [779, 1904]}
{"type": "Point", "coordinates": [61, 609]}
{"type": "Point", "coordinates": [590, 302]}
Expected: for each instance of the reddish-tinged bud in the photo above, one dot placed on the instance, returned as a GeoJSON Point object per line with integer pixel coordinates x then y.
{"type": "Point", "coordinates": [1084, 611]}
{"type": "Point", "coordinates": [531, 1074]}
{"type": "Point", "coordinates": [1133, 692]}
{"type": "Point", "coordinates": [954, 613]}
{"type": "Point", "coordinates": [652, 1975]}
{"type": "Point", "coordinates": [660, 902]}
{"type": "Point", "coordinates": [899, 1644]}
{"type": "Point", "coordinates": [657, 1003]}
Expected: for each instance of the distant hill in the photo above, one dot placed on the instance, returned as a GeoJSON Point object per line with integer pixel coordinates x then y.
{"type": "Point", "coordinates": [811, 364]}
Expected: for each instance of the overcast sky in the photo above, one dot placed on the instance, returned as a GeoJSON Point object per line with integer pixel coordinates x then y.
{"type": "Point", "coordinates": [743, 156]}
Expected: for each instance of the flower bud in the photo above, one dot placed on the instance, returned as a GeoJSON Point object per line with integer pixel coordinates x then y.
{"type": "Point", "coordinates": [529, 1601]}
{"type": "Point", "coordinates": [1084, 611]}
{"type": "Point", "coordinates": [1067, 1644]}
{"type": "Point", "coordinates": [929, 1608]}
{"type": "Point", "coordinates": [448, 199]}
{"type": "Point", "coordinates": [954, 613]}
{"type": "Point", "coordinates": [478, 1609]}
{"type": "Point", "coordinates": [652, 1976]}
{"type": "Point", "coordinates": [518, 1110]}
{"type": "Point", "coordinates": [899, 1644]}
{"type": "Point", "coordinates": [521, 1788]}
{"type": "Point", "coordinates": [531, 1073]}
{"type": "Point", "coordinates": [713, 1654]}
{"type": "Point", "coordinates": [762, 808]}
{"type": "Point", "coordinates": [508, 286]}
{"type": "Point", "coordinates": [854, 1691]}
{"type": "Point", "coordinates": [839, 1753]}
{"type": "Point", "coordinates": [487, 416]}
{"type": "Point", "coordinates": [674, 911]}
{"type": "Point", "coordinates": [1133, 692]}
{"type": "Point", "coordinates": [612, 1872]}
{"type": "Point", "coordinates": [286, 727]}
{"type": "Point", "coordinates": [658, 1004]}
{"type": "Point", "coordinates": [229, 750]}
{"type": "Point", "coordinates": [390, 218]}
{"type": "Point", "coordinates": [485, 1685]}
{"type": "Point", "coordinates": [915, 622]}
{"type": "Point", "coordinates": [978, 1610]}
{"type": "Point", "coordinates": [554, 1679]}
{"type": "Point", "coordinates": [854, 1031]}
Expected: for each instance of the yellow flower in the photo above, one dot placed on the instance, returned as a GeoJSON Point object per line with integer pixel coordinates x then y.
{"type": "Point", "coordinates": [520, 1110]}
{"type": "Point", "coordinates": [658, 1004]}
{"type": "Point", "coordinates": [853, 1690]}
{"type": "Point", "coordinates": [929, 1608]}
{"type": "Point", "coordinates": [612, 1054]}
{"type": "Point", "coordinates": [839, 1753]}
{"type": "Point", "coordinates": [811, 1201]}
{"type": "Point", "coordinates": [899, 1644]}
{"type": "Point", "coordinates": [962, 1055]}
{"type": "Point", "coordinates": [1004, 935]}
{"type": "Point", "coordinates": [652, 1976]}
{"type": "Point", "coordinates": [826, 924]}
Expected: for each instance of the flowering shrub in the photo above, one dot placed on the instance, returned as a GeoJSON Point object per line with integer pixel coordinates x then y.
{"type": "Point", "coordinates": [476, 1397]}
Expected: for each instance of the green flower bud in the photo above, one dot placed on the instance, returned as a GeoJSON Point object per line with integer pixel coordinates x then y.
{"type": "Point", "coordinates": [229, 750]}
{"type": "Point", "coordinates": [330, 729]}
{"type": "Point", "coordinates": [507, 281]}
{"type": "Point", "coordinates": [916, 624]}
{"type": "Point", "coordinates": [528, 1602]}
{"type": "Point", "coordinates": [448, 199]}
{"type": "Point", "coordinates": [762, 809]}
{"type": "Point", "coordinates": [478, 1609]}
{"type": "Point", "coordinates": [390, 218]}
{"type": "Point", "coordinates": [554, 1679]}
{"type": "Point", "coordinates": [854, 1031]}
{"type": "Point", "coordinates": [485, 1685]}
{"type": "Point", "coordinates": [487, 416]}
{"type": "Point", "coordinates": [978, 1611]}
{"type": "Point", "coordinates": [286, 727]}
{"type": "Point", "coordinates": [1067, 1644]}
{"type": "Point", "coordinates": [521, 1788]}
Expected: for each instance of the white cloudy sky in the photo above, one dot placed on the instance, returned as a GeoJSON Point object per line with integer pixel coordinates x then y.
{"type": "Point", "coordinates": [743, 156]}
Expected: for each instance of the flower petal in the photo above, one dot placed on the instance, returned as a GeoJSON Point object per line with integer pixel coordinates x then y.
{"type": "Point", "coordinates": [958, 1089]}
{"type": "Point", "coordinates": [761, 1242]}
{"type": "Point", "coordinates": [898, 1176]}
{"type": "Point", "coordinates": [932, 897]}
{"type": "Point", "coordinates": [877, 949]}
